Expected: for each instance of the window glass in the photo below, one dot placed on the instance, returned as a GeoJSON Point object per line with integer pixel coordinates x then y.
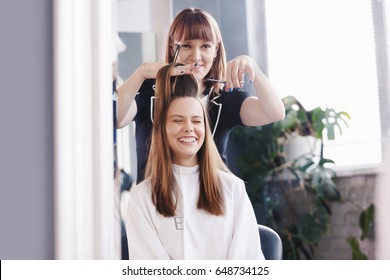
{"type": "Point", "coordinates": [323, 53]}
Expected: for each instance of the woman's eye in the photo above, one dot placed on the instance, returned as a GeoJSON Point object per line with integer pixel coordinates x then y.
{"type": "Point", "coordinates": [206, 46]}
{"type": "Point", "coordinates": [186, 46]}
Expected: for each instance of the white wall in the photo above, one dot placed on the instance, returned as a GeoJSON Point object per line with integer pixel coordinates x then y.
{"type": "Point", "coordinates": [146, 16]}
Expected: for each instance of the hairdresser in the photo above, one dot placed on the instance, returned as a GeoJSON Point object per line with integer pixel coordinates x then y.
{"type": "Point", "coordinates": [195, 40]}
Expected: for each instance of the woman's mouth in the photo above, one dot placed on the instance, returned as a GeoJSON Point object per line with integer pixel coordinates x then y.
{"type": "Point", "coordinates": [187, 139]}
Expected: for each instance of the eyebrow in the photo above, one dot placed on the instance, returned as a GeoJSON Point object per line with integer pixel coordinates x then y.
{"type": "Point", "coordinates": [182, 116]}
{"type": "Point", "coordinates": [180, 42]}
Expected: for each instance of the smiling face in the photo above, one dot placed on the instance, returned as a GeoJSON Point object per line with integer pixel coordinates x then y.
{"type": "Point", "coordinates": [185, 130]}
{"type": "Point", "coordinates": [201, 52]}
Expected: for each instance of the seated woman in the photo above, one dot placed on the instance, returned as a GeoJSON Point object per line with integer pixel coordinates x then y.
{"type": "Point", "coordinates": [189, 206]}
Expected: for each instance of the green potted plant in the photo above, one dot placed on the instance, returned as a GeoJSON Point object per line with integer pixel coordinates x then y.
{"type": "Point", "coordinates": [291, 195]}
{"type": "Point", "coordinates": [366, 223]}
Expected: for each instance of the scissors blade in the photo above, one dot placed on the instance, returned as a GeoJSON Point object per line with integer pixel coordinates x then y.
{"type": "Point", "coordinates": [214, 80]}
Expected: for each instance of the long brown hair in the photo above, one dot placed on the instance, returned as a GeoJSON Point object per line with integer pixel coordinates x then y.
{"type": "Point", "coordinates": [191, 24]}
{"type": "Point", "coordinates": [159, 168]}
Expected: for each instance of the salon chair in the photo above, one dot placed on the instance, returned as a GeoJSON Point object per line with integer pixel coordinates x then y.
{"type": "Point", "coordinates": [271, 244]}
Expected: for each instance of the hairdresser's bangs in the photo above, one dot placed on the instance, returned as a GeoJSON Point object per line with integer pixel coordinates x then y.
{"type": "Point", "coordinates": [193, 28]}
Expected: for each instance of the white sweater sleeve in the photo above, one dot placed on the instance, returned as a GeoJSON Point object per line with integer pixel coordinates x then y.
{"type": "Point", "coordinates": [245, 244]}
{"type": "Point", "coordinates": [142, 237]}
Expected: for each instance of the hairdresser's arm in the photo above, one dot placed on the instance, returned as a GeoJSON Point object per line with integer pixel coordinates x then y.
{"type": "Point", "coordinates": [127, 108]}
{"type": "Point", "coordinates": [264, 108]}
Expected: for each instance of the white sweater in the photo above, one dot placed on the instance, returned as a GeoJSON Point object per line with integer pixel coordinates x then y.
{"type": "Point", "coordinates": [192, 233]}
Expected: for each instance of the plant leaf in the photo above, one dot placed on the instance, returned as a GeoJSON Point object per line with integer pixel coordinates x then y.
{"type": "Point", "coordinates": [312, 226]}
{"type": "Point", "coordinates": [366, 221]}
{"type": "Point", "coordinates": [357, 254]}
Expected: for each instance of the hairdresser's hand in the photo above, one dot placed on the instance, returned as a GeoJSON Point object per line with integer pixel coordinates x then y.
{"type": "Point", "coordinates": [150, 70]}
{"type": "Point", "coordinates": [240, 70]}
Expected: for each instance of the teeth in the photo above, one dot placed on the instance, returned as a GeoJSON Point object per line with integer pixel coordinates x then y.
{"type": "Point", "coordinates": [187, 139]}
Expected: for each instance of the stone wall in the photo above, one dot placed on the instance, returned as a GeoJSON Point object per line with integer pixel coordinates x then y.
{"type": "Point", "coordinates": [357, 194]}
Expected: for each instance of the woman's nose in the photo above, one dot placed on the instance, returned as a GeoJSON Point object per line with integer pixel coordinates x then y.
{"type": "Point", "coordinates": [188, 127]}
{"type": "Point", "coordinates": [195, 56]}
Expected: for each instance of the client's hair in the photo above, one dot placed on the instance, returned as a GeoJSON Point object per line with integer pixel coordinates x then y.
{"type": "Point", "coordinates": [159, 169]}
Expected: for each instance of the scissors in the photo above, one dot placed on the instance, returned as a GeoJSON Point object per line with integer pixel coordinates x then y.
{"type": "Point", "coordinates": [175, 55]}
{"type": "Point", "coordinates": [224, 82]}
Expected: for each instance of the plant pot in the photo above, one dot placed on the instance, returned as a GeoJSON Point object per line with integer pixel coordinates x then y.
{"type": "Point", "coordinates": [297, 146]}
